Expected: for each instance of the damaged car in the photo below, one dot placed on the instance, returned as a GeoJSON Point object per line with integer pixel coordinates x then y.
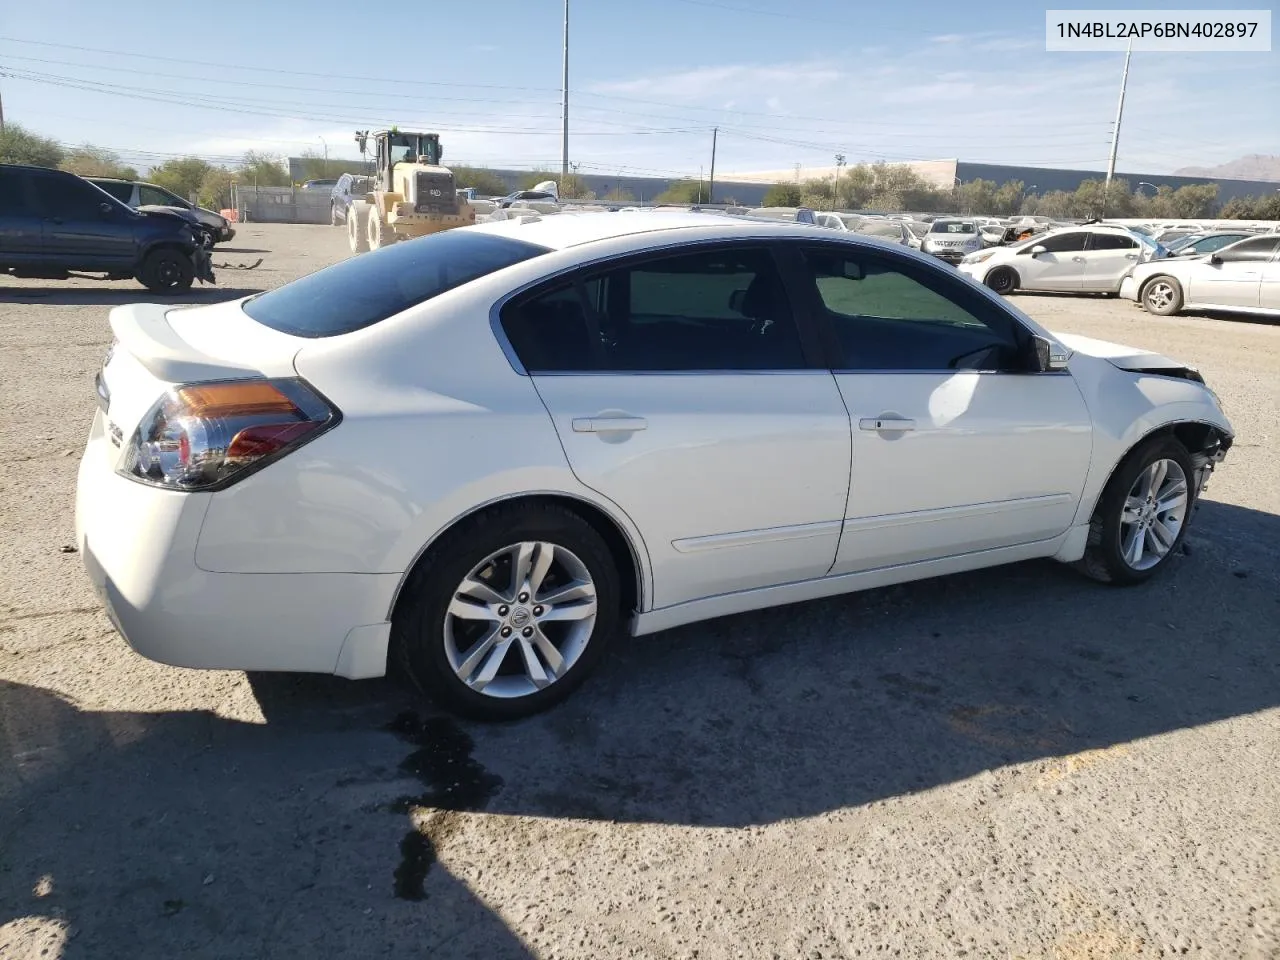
{"type": "Point", "coordinates": [55, 225]}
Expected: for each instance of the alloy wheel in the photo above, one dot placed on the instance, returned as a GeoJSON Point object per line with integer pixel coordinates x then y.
{"type": "Point", "coordinates": [1160, 295]}
{"type": "Point", "coordinates": [520, 620]}
{"type": "Point", "coordinates": [1153, 514]}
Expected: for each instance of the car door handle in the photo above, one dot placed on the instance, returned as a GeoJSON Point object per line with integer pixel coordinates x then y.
{"type": "Point", "coordinates": [1131, 256]}
{"type": "Point", "coordinates": [1077, 259]}
{"type": "Point", "coordinates": [878, 424]}
{"type": "Point", "coordinates": [609, 424]}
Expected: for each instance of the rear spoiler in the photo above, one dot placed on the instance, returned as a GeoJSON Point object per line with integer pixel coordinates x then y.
{"type": "Point", "coordinates": [143, 330]}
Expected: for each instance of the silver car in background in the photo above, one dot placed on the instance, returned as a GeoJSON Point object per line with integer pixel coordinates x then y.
{"type": "Point", "coordinates": [952, 240]}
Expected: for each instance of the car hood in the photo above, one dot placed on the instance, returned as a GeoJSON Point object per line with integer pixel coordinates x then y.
{"type": "Point", "coordinates": [1119, 355]}
{"type": "Point", "coordinates": [177, 213]}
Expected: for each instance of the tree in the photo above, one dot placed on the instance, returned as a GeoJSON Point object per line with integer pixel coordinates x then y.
{"type": "Point", "coordinates": [19, 145]}
{"type": "Point", "coordinates": [1007, 199]}
{"type": "Point", "coordinates": [1195, 200]}
{"type": "Point", "coordinates": [183, 176]}
{"type": "Point", "coordinates": [683, 191]}
{"type": "Point", "coordinates": [215, 188]}
{"type": "Point", "coordinates": [90, 161]}
{"type": "Point", "coordinates": [262, 170]}
{"type": "Point", "coordinates": [783, 195]}
{"type": "Point", "coordinates": [573, 187]}
{"type": "Point", "coordinates": [620, 195]}
{"type": "Point", "coordinates": [485, 182]}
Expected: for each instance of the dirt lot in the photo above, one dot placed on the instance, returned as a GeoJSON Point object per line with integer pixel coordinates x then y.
{"type": "Point", "coordinates": [1013, 763]}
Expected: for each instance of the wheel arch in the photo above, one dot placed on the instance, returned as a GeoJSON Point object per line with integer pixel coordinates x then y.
{"type": "Point", "coordinates": [623, 540]}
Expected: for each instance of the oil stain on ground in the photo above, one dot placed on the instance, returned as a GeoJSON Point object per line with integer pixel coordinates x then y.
{"type": "Point", "coordinates": [454, 783]}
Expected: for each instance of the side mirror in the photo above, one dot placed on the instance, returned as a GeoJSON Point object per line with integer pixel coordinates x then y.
{"type": "Point", "coordinates": [1038, 249]}
{"type": "Point", "coordinates": [1215, 258]}
{"type": "Point", "coordinates": [1050, 355]}
{"type": "Point", "coordinates": [106, 209]}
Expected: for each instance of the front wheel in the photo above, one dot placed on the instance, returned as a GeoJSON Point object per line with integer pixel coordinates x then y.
{"type": "Point", "coordinates": [1162, 296]}
{"type": "Point", "coordinates": [1002, 280]}
{"type": "Point", "coordinates": [357, 227]}
{"type": "Point", "coordinates": [508, 613]}
{"type": "Point", "coordinates": [1142, 515]}
{"type": "Point", "coordinates": [167, 269]}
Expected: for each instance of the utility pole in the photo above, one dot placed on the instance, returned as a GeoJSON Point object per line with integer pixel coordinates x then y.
{"type": "Point", "coordinates": [835, 184]}
{"type": "Point", "coordinates": [564, 101]}
{"type": "Point", "coordinates": [1115, 133]}
{"type": "Point", "coordinates": [711, 187]}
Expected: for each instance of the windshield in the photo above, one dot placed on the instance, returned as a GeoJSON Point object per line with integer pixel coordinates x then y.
{"type": "Point", "coordinates": [953, 226]}
{"type": "Point", "coordinates": [367, 289]}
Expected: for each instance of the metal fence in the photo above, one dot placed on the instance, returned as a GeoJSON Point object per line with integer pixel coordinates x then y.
{"type": "Point", "coordinates": [281, 205]}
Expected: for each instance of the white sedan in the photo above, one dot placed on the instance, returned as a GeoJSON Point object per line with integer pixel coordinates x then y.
{"type": "Point", "coordinates": [481, 454]}
{"type": "Point", "coordinates": [1244, 277]}
{"type": "Point", "coordinates": [1087, 259]}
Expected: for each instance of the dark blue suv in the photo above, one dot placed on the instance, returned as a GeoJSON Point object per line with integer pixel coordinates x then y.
{"type": "Point", "coordinates": [53, 223]}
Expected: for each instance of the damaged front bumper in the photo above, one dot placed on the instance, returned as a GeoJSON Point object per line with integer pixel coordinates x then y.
{"type": "Point", "coordinates": [203, 264]}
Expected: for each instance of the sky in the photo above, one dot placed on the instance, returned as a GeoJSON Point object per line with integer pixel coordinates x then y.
{"type": "Point", "coordinates": [785, 83]}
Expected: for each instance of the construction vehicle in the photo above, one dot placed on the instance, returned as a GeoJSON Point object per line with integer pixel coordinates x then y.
{"type": "Point", "coordinates": [412, 194]}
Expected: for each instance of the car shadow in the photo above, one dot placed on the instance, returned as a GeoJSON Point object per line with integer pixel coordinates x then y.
{"type": "Point", "coordinates": [220, 249]}
{"type": "Point", "coordinates": [319, 830]}
{"type": "Point", "coordinates": [84, 297]}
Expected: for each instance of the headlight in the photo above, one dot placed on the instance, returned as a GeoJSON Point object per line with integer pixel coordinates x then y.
{"type": "Point", "coordinates": [206, 435]}
{"type": "Point", "coordinates": [979, 257]}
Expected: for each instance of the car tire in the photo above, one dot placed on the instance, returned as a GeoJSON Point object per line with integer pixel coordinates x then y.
{"type": "Point", "coordinates": [334, 220]}
{"type": "Point", "coordinates": [1162, 295]}
{"type": "Point", "coordinates": [1130, 536]}
{"type": "Point", "coordinates": [358, 226]}
{"type": "Point", "coordinates": [444, 654]}
{"type": "Point", "coordinates": [1003, 280]}
{"type": "Point", "coordinates": [166, 269]}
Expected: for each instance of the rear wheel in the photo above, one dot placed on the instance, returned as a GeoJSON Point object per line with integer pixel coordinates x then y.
{"type": "Point", "coordinates": [1162, 296]}
{"type": "Point", "coordinates": [507, 613]}
{"type": "Point", "coordinates": [357, 227]}
{"type": "Point", "coordinates": [334, 220]}
{"type": "Point", "coordinates": [1003, 280]}
{"type": "Point", "coordinates": [1142, 515]}
{"type": "Point", "coordinates": [167, 269]}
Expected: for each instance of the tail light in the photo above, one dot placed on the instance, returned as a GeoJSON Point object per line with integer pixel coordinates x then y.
{"type": "Point", "coordinates": [204, 436]}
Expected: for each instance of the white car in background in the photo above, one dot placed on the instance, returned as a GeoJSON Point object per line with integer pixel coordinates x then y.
{"type": "Point", "coordinates": [1243, 277]}
{"type": "Point", "coordinates": [951, 240]}
{"type": "Point", "coordinates": [1086, 259]}
{"type": "Point", "coordinates": [483, 453]}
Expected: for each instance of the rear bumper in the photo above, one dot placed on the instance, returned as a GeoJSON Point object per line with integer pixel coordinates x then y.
{"type": "Point", "coordinates": [138, 544]}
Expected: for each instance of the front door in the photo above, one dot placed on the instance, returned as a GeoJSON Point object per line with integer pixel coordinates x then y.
{"type": "Point", "coordinates": [1107, 258]}
{"type": "Point", "coordinates": [84, 228]}
{"type": "Point", "coordinates": [1233, 276]}
{"type": "Point", "coordinates": [955, 449]}
{"type": "Point", "coordinates": [1269, 289]}
{"type": "Point", "coordinates": [20, 221]}
{"type": "Point", "coordinates": [1059, 267]}
{"type": "Point", "coordinates": [681, 391]}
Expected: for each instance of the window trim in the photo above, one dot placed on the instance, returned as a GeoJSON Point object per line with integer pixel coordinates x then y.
{"type": "Point", "coordinates": [807, 295]}
{"type": "Point", "coordinates": [811, 348]}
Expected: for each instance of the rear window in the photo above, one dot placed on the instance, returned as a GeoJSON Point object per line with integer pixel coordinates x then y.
{"type": "Point", "coordinates": [367, 289]}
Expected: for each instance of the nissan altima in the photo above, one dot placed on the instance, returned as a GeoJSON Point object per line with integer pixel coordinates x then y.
{"type": "Point", "coordinates": [481, 455]}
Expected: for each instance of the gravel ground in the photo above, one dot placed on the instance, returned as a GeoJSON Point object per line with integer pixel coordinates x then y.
{"type": "Point", "coordinates": [1011, 763]}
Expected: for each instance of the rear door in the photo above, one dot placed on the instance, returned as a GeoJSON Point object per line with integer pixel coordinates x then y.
{"type": "Point", "coordinates": [20, 221]}
{"type": "Point", "coordinates": [1269, 288]}
{"type": "Point", "coordinates": [83, 228]}
{"type": "Point", "coordinates": [1233, 276]}
{"type": "Point", "coordinates": [957, 447]}
{"type": "Point", "coordinates": [683, 390]}
{"type": "Point", "coordinates": [1059, 267]}
{"type": "Point", "coordinates": [1107, 258]}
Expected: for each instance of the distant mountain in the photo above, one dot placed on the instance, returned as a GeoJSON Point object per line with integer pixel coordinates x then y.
{"type": "Point", "coordinates": [1256, 166]}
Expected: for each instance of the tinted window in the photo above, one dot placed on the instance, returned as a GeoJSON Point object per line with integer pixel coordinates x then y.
{"type": "Point", "coordinates": [364, 290]}
{"type": "Point", "coordinates": [1062, 243]}
{"type": "Point", "coordinates": [14, 196]}
{"type": "Point", "coordinates": [953, 226]}
{"type": "Point", "coordinates": [154, 196]}
{"type": "Point", "coordinates": [1111, 241]}
{"type": "Point", "coordinates": [121, 191]}
{"type": "Point", "coordinates": [1209, 244]}
{"type": "Point", "coordinates": [68, 197]}
{"type": "Point", "coordinates": [709, 310]}
{"type": "Point", "coordinates": [893, 315]}
{"type": "Point", "coordinates": [1257, 250]}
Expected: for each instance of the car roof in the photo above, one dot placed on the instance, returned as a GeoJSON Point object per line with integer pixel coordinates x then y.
{"type": "Point", "coordinates": [562, 230]}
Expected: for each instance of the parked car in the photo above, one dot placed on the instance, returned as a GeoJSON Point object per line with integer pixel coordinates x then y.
{"type": "Point", "coordinates": [894, 231]}
{"type": "Point", "coordinates": [832, 221]}
{"type": "Point", "coordinates": [53, 223]}
{"type": "Point", "coordinates": [349, 188]}
{"type": "Point", "coordinates": [1090, 259]}
{"type": "Point", "coordinates": [952, 240]}
{"type": "Point", "coordinates": [136, 194]}
{"type": "Point", "coordinates": [1198, 244]}
{"type": "Point", "coordinates": [324, 184]}
{"type": "Point", "coordinates": [1243, 277]}
{"type": "Point", "coordinates": [620, 363]}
